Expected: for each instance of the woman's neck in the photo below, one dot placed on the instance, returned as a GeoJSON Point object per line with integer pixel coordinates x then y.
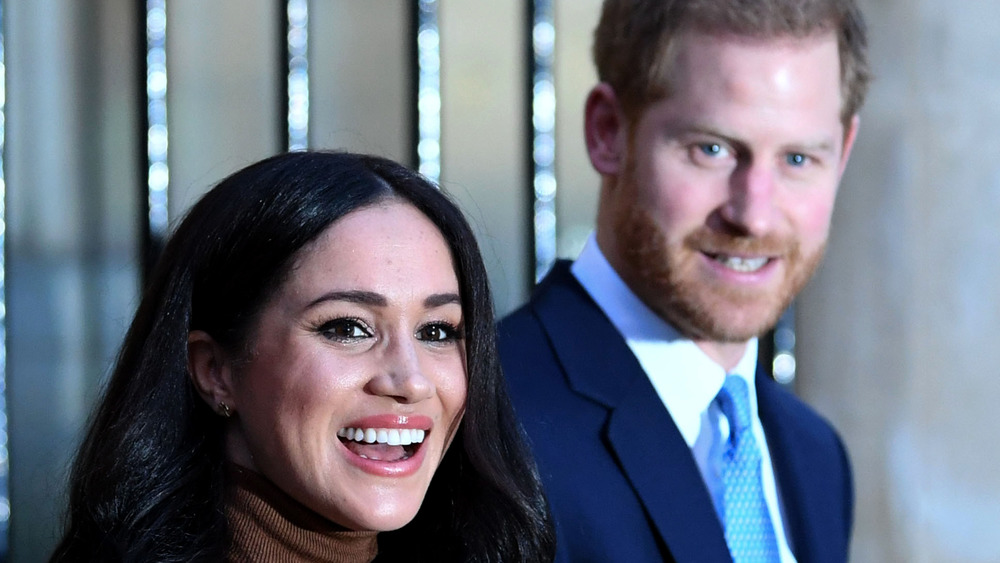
{"type": "Point", "coordinates": [265, 524]}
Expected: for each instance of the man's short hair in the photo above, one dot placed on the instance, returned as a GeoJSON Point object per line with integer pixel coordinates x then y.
{"type": "Point", "coordinates": [633, 40]}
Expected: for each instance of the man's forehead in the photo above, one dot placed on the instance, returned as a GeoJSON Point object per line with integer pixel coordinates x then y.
{"type": "Point", "coordinates": [687, 53]}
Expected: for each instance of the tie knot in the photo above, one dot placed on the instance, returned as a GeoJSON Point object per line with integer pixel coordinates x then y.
{"type": "Point", "coordinates": [735, 404]}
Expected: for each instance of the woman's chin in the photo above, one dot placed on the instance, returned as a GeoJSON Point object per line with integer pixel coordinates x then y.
{"type": "Point", "coordinates": [382, 519]}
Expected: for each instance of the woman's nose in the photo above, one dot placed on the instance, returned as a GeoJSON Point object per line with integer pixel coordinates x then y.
{"type": "Point", "coordinates": [400, 375]}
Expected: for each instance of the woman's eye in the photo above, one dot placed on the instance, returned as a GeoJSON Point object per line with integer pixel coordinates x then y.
{"type": "Point", "coordinates": [344, 330]}
{"type": "Point", "coordinates": [438, 332]}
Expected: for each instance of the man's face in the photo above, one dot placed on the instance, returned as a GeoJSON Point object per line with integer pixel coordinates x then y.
{"type": "Point", "coordinates": [720, 209]}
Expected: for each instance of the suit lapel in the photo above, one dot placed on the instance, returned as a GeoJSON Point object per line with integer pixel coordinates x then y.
{"type": "Point", "coordinates": [660, 467]}
{"type": "Point", "coordinates": [640, 432]}
{"type": "Point", "coordinates": [804, 477]}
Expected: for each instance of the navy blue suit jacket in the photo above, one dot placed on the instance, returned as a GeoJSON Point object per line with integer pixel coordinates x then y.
{"type": "Point", "coordinates": [621, 481]}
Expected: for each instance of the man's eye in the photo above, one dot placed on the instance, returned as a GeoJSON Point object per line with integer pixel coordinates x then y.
{"type": "Point", "coordinates": [797, 159]}
{"type": "Point", "coordinates": [344, 329]}
{"type": "Point", "coordinates": [710, 154]}
{"type": "Point", "coordinates": [712, 149]}
{"type": "Point", "coordinates": [438, 332]}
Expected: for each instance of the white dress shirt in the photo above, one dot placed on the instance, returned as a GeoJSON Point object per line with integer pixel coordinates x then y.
{"type": "Point", "coordinates": [684, 377]}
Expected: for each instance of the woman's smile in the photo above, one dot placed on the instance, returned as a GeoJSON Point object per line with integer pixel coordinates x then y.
{"type": "Point", "coordinates": [386, 445]}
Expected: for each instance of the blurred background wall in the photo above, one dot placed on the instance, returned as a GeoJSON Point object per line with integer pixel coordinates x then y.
{"type": "Point", "coordinates": [895, 336]}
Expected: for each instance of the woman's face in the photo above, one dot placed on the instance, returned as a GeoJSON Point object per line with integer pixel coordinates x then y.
{"type": "Point", "coordinates": [357, 380]}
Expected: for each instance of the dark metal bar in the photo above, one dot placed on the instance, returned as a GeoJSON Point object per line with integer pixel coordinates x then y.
{"type": "Point", "coordinates": [413, 67]}
{"type": "Point", "coordinates": [542, 144]}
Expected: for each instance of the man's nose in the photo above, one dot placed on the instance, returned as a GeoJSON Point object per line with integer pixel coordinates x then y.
{"type": "Point", "coordinates": [750, 207]}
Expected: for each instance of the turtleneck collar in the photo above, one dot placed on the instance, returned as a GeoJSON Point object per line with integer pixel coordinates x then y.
{"type": "Point", "coordinates": [265, 524]}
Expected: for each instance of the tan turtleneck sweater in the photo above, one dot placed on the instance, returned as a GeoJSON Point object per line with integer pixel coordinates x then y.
{"type": "Point", "coordinates": [267, 525]}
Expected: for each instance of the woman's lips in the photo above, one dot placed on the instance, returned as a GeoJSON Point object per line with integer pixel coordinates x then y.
{"type": "Point", "coordinates": [386, 445]}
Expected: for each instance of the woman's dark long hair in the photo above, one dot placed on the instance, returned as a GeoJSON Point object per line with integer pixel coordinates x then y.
{"type": "Point", "coordinates": [148, 483]}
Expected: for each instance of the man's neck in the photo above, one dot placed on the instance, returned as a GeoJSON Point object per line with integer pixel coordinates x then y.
{"type": "Point", "coordinates": [726, 354]}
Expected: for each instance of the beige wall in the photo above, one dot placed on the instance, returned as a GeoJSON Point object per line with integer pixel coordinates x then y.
{"type": "Point", "coordinates": [576, 200]}
{"type": "Point", "coordinates": [222, 92]}
{"type": "Point", "coordinates": [897, 334]}
{"type": "Point", "coordinates": [359, 79]}
{"type": "Point", "coordinates": [482, 76]}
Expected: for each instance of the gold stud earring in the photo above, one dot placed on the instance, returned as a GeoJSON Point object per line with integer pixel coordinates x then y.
{"type": "Point", "coordinates": [224, 410]}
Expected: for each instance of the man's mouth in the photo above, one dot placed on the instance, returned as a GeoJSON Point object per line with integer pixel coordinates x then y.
{"type": "Point", "coordinates": [382, 444]}
{"type": "Point", "coordinates": [739, 263]}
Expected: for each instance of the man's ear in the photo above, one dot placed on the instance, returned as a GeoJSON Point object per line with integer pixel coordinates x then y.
{"type": "Point", "coordinates": [849, 137]}
{"type": "Point", "coordinates": [211, 372]}
{"type": "Point", "coordinates": [605, 130]}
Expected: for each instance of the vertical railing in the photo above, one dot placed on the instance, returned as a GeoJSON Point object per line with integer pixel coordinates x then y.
{"type": "Point", "coordinates": [4, 458]}
{"type": "Point", "coordinates": [542, 145]}
{"type": "Point", "coordinates": [297, 79]}
{"type": "Point", "coordinates": [427, 70]}
{"type": "Point", "coordinates": [154, 119]}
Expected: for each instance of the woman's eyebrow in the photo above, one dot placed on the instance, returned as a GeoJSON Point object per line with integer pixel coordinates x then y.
{"type": "Point", "coordinates": [352, 296]}
{"type": "Point", "coordinates": [439, 299]}
{"type": "Point", "coordinates": [378, 300]}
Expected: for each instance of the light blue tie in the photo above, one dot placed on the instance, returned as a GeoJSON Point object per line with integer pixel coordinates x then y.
{"type": "Point", "coordinates": [749, 532]}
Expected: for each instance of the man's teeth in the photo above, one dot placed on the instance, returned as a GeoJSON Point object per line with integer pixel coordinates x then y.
{"type": "Point", "coordinates": [389, 436]}
{"type": "Point", "coordinates": [741, 264]}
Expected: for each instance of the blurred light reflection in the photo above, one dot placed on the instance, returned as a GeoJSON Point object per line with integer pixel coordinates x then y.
{"type": "Point", "coordinates": [428, 90]}
{"type": "Point", "coordinates": [158, 173]}
{"type": "Point", "coordinates": [298, 74]}
{"type": "Point", "coordinates": [4, 468]}
{"type": "Point", "coordinates": [543, 151]}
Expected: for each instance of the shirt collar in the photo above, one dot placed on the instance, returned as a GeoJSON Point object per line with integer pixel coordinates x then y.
{"type": "Point", "coordinates": [684, 377]}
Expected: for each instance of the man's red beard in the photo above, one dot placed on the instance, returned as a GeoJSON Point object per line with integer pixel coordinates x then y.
{"type": "Point", "coordinates": [665, 276]}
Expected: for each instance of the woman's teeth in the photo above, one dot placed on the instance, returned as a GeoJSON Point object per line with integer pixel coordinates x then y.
{"type": "Point", "coordinates": [388, 436]}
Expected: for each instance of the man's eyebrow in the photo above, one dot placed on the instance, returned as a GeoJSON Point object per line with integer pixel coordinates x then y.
{"type": "Point", "coordinates": [818, 146]}
{"type": "Point", "coordinates": [352, 296]}
{"type": "Point", "coordinates": [698, 129]}
{"type": "Point", "coordinates": [439, 299]}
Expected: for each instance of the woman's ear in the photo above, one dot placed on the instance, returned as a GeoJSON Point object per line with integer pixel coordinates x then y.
{"type": "Point", "coordinates": [604, 129]}
{"type": "Point", "coordinates": [211, 372]}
